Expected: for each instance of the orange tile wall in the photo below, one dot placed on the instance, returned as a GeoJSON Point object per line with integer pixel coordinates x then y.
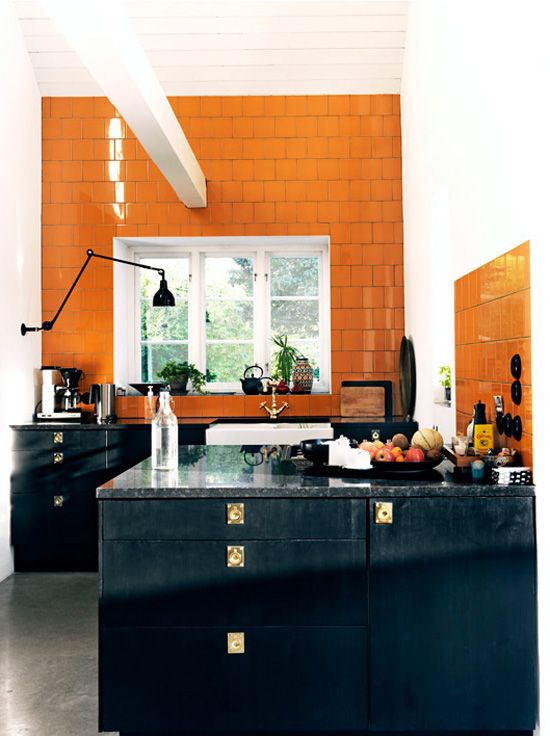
{"type": "Point", "coordinates": [275, 166]}
{"type": "Point", "coordinates": [492, 323]}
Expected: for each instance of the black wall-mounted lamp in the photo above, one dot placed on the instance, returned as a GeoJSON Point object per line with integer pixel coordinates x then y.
{"type": "Point", "coordinates": [162, 298]}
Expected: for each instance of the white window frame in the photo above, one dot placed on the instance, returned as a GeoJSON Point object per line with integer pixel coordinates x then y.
{"type": "Point", "coordinates": [126, 296]}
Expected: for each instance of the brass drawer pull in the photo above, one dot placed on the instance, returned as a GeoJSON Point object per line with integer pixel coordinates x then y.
{"type": "Point", "coordinates": [234, 513]}
{"type": "Point", "coordinates": [235, 556]}
{"type": "Point", "coordinates": [58, 438]}
{"type": "Point", "coordinates": [58, 501]}
{"type": "Point", "coordinates": [383, 512]}
{"type": "Point", "coordinates": [235, 642]}
{"type": "Point", "coordinates": [57, 458]}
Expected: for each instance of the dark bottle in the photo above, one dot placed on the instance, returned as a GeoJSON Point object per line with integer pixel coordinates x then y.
{"type": "Point", "coordinates": [478, 418]}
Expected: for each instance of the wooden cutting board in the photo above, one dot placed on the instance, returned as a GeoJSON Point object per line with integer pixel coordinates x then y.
{"type": "Point", "coordinates": [362, 401]}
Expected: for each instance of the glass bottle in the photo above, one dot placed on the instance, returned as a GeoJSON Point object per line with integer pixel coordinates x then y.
{"type": "Point", "coordinates": [164, 435]}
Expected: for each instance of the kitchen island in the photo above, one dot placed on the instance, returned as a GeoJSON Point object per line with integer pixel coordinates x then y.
{"type": "Point", "coordinates": [246, 592]}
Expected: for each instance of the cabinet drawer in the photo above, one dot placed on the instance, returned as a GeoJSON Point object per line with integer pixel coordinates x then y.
{"type": "Point", "coordinates": [293, 583]}
{"type": "Point", "coordinates": [57, 437]}
{"type": "Point", "coordinates": [207, 519]}
{"type": "Point", "coordinates": [34, 472]}
{"type": "Point", "coordinates": [288, 679]}
{"type": "Point", "coordinates": [57, 516]}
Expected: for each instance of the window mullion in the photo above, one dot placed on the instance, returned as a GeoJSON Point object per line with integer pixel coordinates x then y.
{"type": "Point", "coordinates": [260, 356]}
{"type": "Point", "coordinates": [195, 309]}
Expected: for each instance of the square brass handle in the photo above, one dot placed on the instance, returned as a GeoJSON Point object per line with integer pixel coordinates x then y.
{"type": "Point", "coordinates": [235, 642]}
{"type": "Point", "coordinates": [383, 512]}
{"type": "Point", "coordinates": [234, 513]}
{"type": "Point", "coordinates": [57, 458]}
{"type": "Point", "coordinates": [58, 501]}
{"type": "Point", "coordinates": [58, 438]}
{"type": "Point", "coordinates": [234, 556]}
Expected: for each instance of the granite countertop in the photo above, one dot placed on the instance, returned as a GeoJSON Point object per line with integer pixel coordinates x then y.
{"type": "Point", "coordinates": [218, 471]}
{"type": "Point", "coordinates": [123, 423]}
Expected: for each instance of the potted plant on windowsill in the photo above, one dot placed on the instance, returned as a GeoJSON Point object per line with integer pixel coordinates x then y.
{"type": "Point", "coordinates": [283, 361]}
{"type": "Point", "coordinates": [178, 375]}
{"type": "Point", "coordinates": [445, 380]}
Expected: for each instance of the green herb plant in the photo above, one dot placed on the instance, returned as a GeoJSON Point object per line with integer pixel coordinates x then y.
{"type": "Point", "coordinates": [174, 372]}
{"type": "Point", "coordinates": [445, 376]}
{"type": "Point", "coordinates": [284, 358]}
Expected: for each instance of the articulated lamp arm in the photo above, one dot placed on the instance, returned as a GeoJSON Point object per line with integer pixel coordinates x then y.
{"type": "Point", "coordinates": [162, 298]}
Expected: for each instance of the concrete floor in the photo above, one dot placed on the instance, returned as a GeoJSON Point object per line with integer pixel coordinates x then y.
{"type": "Point", "coordinates": [48, 654]}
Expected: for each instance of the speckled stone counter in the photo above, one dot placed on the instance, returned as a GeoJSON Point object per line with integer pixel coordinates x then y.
{"type": "Point", "coordinates": [229, 472]}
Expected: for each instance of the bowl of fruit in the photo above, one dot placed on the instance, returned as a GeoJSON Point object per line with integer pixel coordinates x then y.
{"type": "Point", "coordinates": [398, 455]}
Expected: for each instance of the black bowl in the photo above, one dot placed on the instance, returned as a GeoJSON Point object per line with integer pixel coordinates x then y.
{"type": "Point", "coordinates": [314, 451]}
{"type": "Point", "coordinates": [143, 388]}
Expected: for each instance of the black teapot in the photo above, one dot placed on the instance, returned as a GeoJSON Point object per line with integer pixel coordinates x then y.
{"type": "Point", "coordinates": [252, 384]}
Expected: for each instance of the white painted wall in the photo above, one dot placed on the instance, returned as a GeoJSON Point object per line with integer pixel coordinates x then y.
{"type": "Point", "coordinates": [475, 99]}
{"type": "Point", "coordinates": [20, 175]}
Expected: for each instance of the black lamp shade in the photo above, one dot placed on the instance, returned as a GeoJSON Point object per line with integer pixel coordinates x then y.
{"type": "Point", "coordinates": [164, 297]}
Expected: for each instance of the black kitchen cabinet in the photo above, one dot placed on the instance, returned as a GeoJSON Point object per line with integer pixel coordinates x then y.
{"type": "Point", "coordinates": [56, 471]}
{"type": "Point", "coordinates": [453, 615]}
{"type": "Point", "coordinates": [349, 617]}
{"type": "Point", "coordinates": [170, 600]}
{"type": "Point", "coordinates": [54, 509]}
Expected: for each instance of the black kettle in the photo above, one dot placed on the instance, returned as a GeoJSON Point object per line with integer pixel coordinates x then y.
{"type": "Point", "coordinates": [252, 384]}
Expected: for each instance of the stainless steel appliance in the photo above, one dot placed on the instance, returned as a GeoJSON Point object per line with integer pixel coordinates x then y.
{"type": "Point", "coordinates": [103, 395]}
{"type": "Point", "coordinates": [60, 395]}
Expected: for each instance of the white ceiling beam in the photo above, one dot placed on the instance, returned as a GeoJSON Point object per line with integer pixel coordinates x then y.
{"type": "Point", "coordinates": [103, 38]}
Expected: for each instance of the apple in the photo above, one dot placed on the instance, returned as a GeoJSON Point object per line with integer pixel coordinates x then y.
{"type": "Point", "coordinates": [383, 455]}
{"type": "Point", "coordinates": [415, 455]}
{"type": "Point", "coordinates": [389, 444]}
{"type": "Point", "coordinates": [400, 458]}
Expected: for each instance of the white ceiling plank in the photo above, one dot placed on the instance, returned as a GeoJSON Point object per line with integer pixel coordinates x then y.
{"type": "Point", "coordinates": [47, 44]}
{"type": "Point", "coordinates": [268, 73]}
{"type": "Point", "coordinates": [179, 8]}
{"type": "Point", "coordinates": [103, 39]}
{"type": "Point", "coordinates": [277, 24]}
{"type": "Point", "coordinates": [192, 59]}
{"type": "Point", "coordinates": [268, 41]}
{"type": "Point", "coordinates": [56, 60]}
{"type": "Point", "coordinates": [70, 89]}
{"type": "Point", "coordinates": [256, 57]}
{"type": "Point", "coordinates": [285, 87]}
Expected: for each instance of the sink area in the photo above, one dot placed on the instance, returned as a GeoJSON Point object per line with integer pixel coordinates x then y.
{"type": "Point", "coordinates": [262, 433]}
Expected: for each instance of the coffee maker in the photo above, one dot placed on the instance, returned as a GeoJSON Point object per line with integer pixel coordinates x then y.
{"type": "Point", "coordinates": [60, 395]}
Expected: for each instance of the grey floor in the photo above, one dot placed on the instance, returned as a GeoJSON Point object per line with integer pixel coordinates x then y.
{"type": "Point", "coordinates": [48, 654]}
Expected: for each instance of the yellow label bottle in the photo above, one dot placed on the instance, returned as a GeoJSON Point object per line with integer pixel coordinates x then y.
{"type": "Point", "coordinates": [483, 438]}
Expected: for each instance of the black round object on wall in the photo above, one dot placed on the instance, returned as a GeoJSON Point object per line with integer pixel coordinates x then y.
{"type": "Point", "coordinates": [407, 378]}
{"type": "Point", "coordinates": [515, 366]}
{"type": "Point", "coordinates": [516, 393]}
{"type": "Point", "coordinates": [517, 430]}
{"type": "Point", "coordinates": [508, 425]}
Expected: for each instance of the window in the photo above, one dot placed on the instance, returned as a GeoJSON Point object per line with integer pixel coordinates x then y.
{"type": "Point", "coordinates": [232, 295]}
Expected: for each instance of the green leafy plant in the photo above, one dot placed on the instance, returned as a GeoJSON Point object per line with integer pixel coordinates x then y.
{"type": "Point", "coordinates": [175, 374]}
{"type": "Point", "coordinates": [284, 358]}
{"type": "Point", "coordinates": [445, 376]}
